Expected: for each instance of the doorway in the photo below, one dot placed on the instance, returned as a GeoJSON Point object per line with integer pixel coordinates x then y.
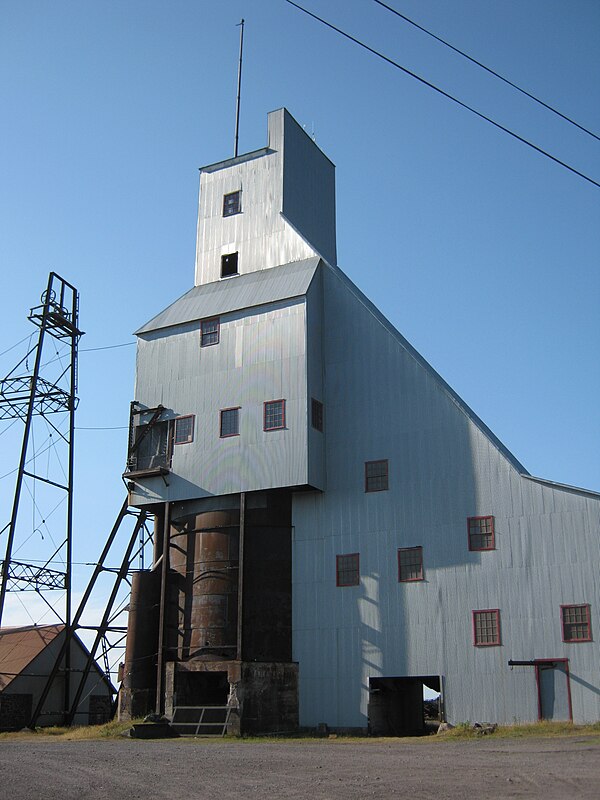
{"type": "Point", "coordinates": [396, 705]}
{"type": "Point", "coordinates": [554, 689]}
{"type": "Point", "coordinates": [202, 688]}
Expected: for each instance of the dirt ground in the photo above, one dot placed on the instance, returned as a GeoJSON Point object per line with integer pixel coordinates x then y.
{"type": "Point", "coordinates": [317, 769]}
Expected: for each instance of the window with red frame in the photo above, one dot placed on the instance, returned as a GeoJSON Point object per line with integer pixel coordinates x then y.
{"type": "Point", "coordinates": [347, 570]}
{"type": "Point", "coordinates": [576, 624]}
{"type": "Point", "coordinates": [376, 476]}
{"type": "Point", "coordinates": [184, 430]}
{"type": "Point", "coordinates": [274, 415]}
{"type": "Point", "coordinates": [486, 628]}
{"type": "Point", "coordinates": [481, 533]}
{"type": "Point", "coordinates": [410, 564]}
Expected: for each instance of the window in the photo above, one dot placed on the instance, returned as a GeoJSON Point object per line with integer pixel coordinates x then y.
{"type": "Point", "coordinates": [184, 430]}
{"type": "Point", "coordinates": [209, 331]}
{"type": "Point", "coordinates": [231, 204]}
{"type": "Point", "coordinates": [376, 476]}
{"type": "Point", "coordinates": [410, 564]}
{"type": "Point", "coordinates": [486, 628]}
{"type": "Point", "coordinates": [230, 422]}
{"type": "Point", "coordinates": [316, 414]}
{"type": "Point", "coordinates": [346, 570]}
{"type": "Point", "coordinates": [481, 533]}
{"type": "Point", "coordinates": [152, 450]}
{"type": "Point", "coordinates": [274, 415]}
{"type": "Point", "coordinates": [229, 265]}
{"type": "Point", "coordinates": [576, 626]}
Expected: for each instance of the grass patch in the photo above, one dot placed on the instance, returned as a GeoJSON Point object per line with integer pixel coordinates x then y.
{"type": "Point", "coordinates": [546, 728]}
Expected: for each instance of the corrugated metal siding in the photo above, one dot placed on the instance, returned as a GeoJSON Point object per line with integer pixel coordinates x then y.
{"type": "Point", "coordinates": [261, 356]}
{"type": "Point", "coordinates": [233, 294]}
{"type": "Point", "coordinates": [260, 234]}
{"type": "Point", "coordinates": [443, 467]}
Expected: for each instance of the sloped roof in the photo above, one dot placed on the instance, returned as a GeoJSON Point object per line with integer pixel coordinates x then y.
{"type": "Point", "coordinates": [19, 647]}
{"type": "Point", "coordinates": [232, 294]}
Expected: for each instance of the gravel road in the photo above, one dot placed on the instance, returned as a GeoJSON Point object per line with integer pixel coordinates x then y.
{"type": "Point", "coordinates": [326, 769]}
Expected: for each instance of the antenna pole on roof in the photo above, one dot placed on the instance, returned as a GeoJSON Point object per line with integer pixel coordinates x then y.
{"type": "Point", "coordinates": [239, 89]}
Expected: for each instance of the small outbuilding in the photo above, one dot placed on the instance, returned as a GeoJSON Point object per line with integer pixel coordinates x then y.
{"type": "Point", "coordinates": [27, 656]}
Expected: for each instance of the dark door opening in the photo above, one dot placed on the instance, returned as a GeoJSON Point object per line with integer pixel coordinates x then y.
{"type": "Point", "coordinates": [396, 705]}
{"type": "Point", "coordinates": [202, 688]}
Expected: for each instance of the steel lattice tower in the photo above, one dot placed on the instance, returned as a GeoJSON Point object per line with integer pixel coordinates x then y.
{"type": "Point", "coordinates": [45, 399]}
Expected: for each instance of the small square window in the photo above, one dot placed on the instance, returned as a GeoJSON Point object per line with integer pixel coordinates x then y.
{"type": "Point", "coordinates": [347, 570]}
{"type": "Point", "coordinates": [481, 533]}
{"type": "Point", "coordinates": [209, 331]}
{"type": "Point", "coordinates": [229, 265]}
{"type": "Point", "coordinates": [316, 414]}
{"type": "Point", "coordinates": [376, 476]}
{"type": "Point", "coordinates": [184, 430]}
{"type": "Point", "coordinates": [486, 628]}
{"type": "Point", "coordinates": [230, 422]}
{"type": "Point", "coordinates": [231, 204]}
{"type": "Point", "coordinates": [274, 415]}
{"type": "Point", "coordinates": [410, 564]}
{"type": "Point", "coordinates": [576, 624]}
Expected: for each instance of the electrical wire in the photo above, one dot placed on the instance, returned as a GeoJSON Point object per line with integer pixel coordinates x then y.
{"type": "Point", "coordinates": [444, 93]}
{"type": "Point", "coordinates": [487, 69]}
{"type": "Point", "coordinates": [12, 347]}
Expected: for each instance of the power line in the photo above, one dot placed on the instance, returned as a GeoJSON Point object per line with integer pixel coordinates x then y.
{"type": "Point", "coordinates": [104, 428]}
{"type": "Point", "coordinates": [444, 93]}
{"type": "Point", "coordinates": [108, 347]}
{"type": "Point", "coordinates": [487, 69]}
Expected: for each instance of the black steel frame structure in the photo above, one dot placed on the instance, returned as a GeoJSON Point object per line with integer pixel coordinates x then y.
{"type": "Point", "coordinates": [25, 395]}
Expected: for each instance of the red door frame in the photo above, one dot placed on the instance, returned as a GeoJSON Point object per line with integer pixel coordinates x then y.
{"type": "Point", "coordinates": [539, 662]}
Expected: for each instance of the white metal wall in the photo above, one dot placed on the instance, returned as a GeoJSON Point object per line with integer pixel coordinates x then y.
{"type": "Point", "coordinates": [261, 356]}
{"type": "Point", "coordinates": [282, 219]}
{"type": "Point", "coordinates": [382, 403]}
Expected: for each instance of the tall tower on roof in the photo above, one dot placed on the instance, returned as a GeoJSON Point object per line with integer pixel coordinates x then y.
{"type": "Point", "coordinates": [268, 207]}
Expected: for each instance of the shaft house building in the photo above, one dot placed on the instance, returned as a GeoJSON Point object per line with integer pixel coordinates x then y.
{"type": "Point", "coordinates": [335, 527]}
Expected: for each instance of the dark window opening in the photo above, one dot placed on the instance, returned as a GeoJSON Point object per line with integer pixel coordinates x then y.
{"type": "Point", "coordinates": [231, 204]}
{"type": "Point", "coordinates": [576, 624]}
{"type": "Point", "coordinates": [274, 415]}
{"type": "Point", "coordinates": [230, 422]}
{"type": "Point", "coordinates": [481, 533]}
{"type": "Point", "coordinates": [347, 570]}
{"type": "Point", "coordinates": [410, 564]}
{"type": "Point", "coordinates": [153, 450]}
{"type": "Point", "coordinates": [316, 414]}
{"type": "Point", "coordinates": [376, 476]}
{"type": "Point", "coordinates": [486, 628]}
{"type": "Point", "coordinates": [184, 430]}
{"type": "Point", "coordinates": [229, 265]}
{"type": "Point", "coordinates": [209, 331]}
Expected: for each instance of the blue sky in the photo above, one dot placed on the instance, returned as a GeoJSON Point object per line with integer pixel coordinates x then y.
{"type": "Point", "coordinates": [483, 253]}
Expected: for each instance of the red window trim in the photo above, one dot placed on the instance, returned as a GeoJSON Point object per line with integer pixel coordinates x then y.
{"type": "Point", "coordinates": [411, 580]}
{"type": "Point", "coordinates": [184, 416]}
{"type": "Point", "coordinates": [498, 642]}
{"type": "Point", "coordinates": [278, 427]}
{"type": "Point", "coordinates": [588, 622]}
{"type": "Point", "coordinates": [481, 549]}
{"type": "Point", "coordinates": [337, 570]}
{"type": "Point", "coordinates": [210, 319]}
{"type": "Point", "coordinates": [387, 475]}
{"type": "Point", "coordinates": [227, 435]}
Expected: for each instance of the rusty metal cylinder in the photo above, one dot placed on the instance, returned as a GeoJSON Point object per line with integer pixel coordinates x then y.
{"type": "Point", "coordinates": [139, 675]}
{"type": "Point", "coordinates": [205, 554]}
